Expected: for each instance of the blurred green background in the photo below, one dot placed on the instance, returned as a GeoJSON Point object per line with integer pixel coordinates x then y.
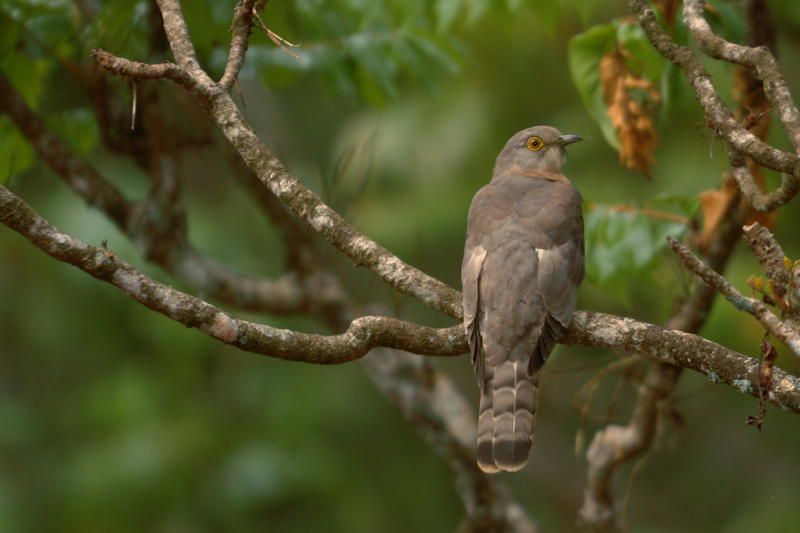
{"type": "Point", "coordinates": [114, 418]}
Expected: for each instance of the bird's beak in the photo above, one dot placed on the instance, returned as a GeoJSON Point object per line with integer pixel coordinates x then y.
{"type": "Point", "coordinates": [567, 139]}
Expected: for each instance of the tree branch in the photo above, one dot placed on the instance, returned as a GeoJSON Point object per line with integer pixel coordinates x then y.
{"type": "Point", "coordinates": [589, 329]}
{"type": "Point", "coordinates": [615, 445]}
{"type": "Point", "coordinates": [686, 350]}
{"type": "Point", "coordinates": [759, 59]}
{"type": "Point", "coordinates": [364, 333]}
{"type": "Point", "coordinates": [143, 71]}
{"type": "Point", "coordinates": [181, 42]}
{"type": "Point", "coordinates": [83, 179]}
{"type": "Point", "coordinates": [290, 294]}
{"type": "Point", "coordinates": [296, 238]}
{"type": "Point", "coordinates": [242, 15]}
{"type": "Point", "coordinates": [770, 255]}
{"type": "Point", "coordinates": [772, 323]}
{"type": "Point", "coordinates": [737, 136]}
{"type": "Point", "coordinates": [758, 199]}
{"type": "Point", "coordinates": [365, 252]}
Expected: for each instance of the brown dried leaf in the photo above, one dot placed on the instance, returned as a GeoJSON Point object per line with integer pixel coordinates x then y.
{"type": "Point", "coordinates": [631, 120]}
{"type": "Point", "coordinates": [764, 382]}
{"type": "Point", "coordinates": [716, 204]}
{"type": "Point", "coordinates": [668, 9]}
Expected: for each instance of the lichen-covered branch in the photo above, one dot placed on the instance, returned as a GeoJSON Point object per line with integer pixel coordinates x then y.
{"type": "Point", "coordinates": [289, 294]}
{"type": "Point", "coordinates": [366, 333]}
{"type": "Point", "coordinates": [760, 59]}
{"type": "Point", "coordinates": [737, 136]}
{"type": "Point", "coordinates": [365, 252]}
{"type": "Point", "coordinates": [181, 42]}
{"type": "Point", "coordinates": [83, 179]}
{"type": "Point", "coordinates": [142, 71]}
{"type": "Point", "coordinates": [363, 335]}
{"type": "Point", "coordinates": [770, 255]}
{"type": "Point", "coordinates": [772, 323]}
{"type": "Point", "coordinates": [295, 236]}
{"type": "Point", "coordinates": [615, 444]}
{"type": "Point", "coordinates": [240, 30]}
{"type": "Point", "coordinates": [426, 398]}
{"type": "Point", "coordinates": [758, 199]}
{"type": "Point", "coordinates": [686, 350]}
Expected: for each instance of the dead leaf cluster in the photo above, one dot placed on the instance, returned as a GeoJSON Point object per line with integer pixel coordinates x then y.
{"type": "Point", "coordinates": [630, 100]}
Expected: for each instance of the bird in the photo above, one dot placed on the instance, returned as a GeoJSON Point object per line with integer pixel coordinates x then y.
{"type": "Point", "coordinates": [523, 262]}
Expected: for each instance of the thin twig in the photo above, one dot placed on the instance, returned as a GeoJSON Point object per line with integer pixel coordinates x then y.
{"type": "Point", "coordinates": [134, 100]}
{"type": "Point", "coordinates": [749, 305]}
{"type": "Point", "coordinates": [242, 20]}
{"type": "Point", "coordinates": [277, 39]}
{"type": "Point", "coordinates": [145, 71]}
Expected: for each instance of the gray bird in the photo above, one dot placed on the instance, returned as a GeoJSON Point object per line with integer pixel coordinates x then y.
{"type": "Point", "coordinates": [523, 263]}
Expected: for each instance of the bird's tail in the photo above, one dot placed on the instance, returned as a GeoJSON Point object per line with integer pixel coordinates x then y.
{"type": "Point", "coordinates": [507, 415]}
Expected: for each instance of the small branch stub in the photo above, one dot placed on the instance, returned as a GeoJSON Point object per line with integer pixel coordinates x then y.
{"type": "Point", "coordinates": [764, 382]}
{"type": "Point", "coordinates": [770, 254]}
{"type": "Point", "coordinates": [782, 330]}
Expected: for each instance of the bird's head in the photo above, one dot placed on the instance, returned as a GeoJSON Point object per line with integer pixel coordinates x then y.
{"type": "Point", "coordinates": [541, 149]}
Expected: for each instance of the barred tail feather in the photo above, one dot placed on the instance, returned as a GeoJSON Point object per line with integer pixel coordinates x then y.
{"type": "Point", "coordinates": [507, 415]}
{"type": "Point", "coordinates": [486, 431]}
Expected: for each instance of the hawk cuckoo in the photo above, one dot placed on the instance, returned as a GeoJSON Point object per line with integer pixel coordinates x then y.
{"type": "Point", "coordinates": [523, 262]}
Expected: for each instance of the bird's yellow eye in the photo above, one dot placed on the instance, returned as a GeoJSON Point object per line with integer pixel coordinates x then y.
{"type": "Point", "coordinates": [535, 143]}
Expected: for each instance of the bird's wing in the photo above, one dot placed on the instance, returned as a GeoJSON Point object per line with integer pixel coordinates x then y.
{"type": "Point", "coordinates": [484, 223]}
{"type": "Point", "coordinates": [555, 229]}
{"type": "Point", "coordinates": [503, 312]}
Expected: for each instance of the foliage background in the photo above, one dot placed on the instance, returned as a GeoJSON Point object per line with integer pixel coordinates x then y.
{"type": "Point", "coordinates": [113, 418]}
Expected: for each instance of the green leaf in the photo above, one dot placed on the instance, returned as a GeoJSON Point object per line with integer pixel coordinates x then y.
{"type": "Point", "coordinates": [27, 76]}
{"type": "Point", "coordinates": [274, 66]}
{"type": "Point", "coordinates": [440, 50]}
{"type": "Point", "coordinates": [78, 128]}
{"type": "Point", "coordinates": [376, 69]}
{"type": "Point", "coordinates": [209, 22]}
{"type": "Point", "coordinates": [16, 154]}
{"type": "Point", "coordinates": [587, 50]}
{"type": "Point", "coordinates": [9, 33]}
{"type": "Point", "coordinates": [625, 246]}
{"type": "Point", "coordinates": [727, 20]}
{"type": "Point", "coordinates": [54, 26]}
{"type": "Point", "coordinates": [368, 49]}
{"type": "Point", "coordinates": [546, 12]}
{"type": "Point", "coordinates": [586, 9]}
{"type": "Point", "coordinates": [447, 11]}
{"type": "Point", "coordinates": [120, 27]}
{"type": "Point", "coordinates": [476, 9]}
{"type": "Point", "coordinates": [416, 62]}
{"type": "Point", "coordinates": [648, 61]}
{"type": "Point", "coordinates": [584, 54]}
{"type": "Point", "coordinates": [686, 206]}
